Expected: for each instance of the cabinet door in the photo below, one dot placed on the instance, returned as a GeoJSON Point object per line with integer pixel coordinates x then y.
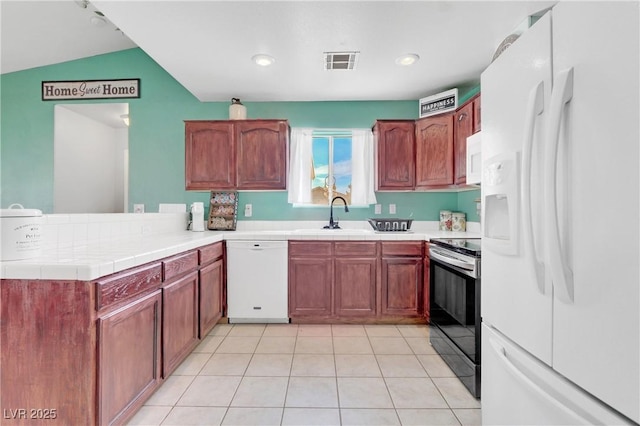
{"type": "Point", "coordinates": [463, 129]}
{"type": "Point", "coordinates": [261, 154]}
{"type": "Point", "coordinates": [355, 286]}
{"type": "Point", "coordinates": [434, 151]}
{"type": "Point", "coordinates": [129, 358]}
{"type": "Point", "coordinates": [211, 296]}
{"type": "Point", "coordinates": [395, 144]}
{"type": "Point", "coordinates": [310, 284]}
{"type": "Point", "coordinates": [402, 286]}
{"type": "Point", "coordinates": [180, 320]}
{"type": "Point", "coordinates": [477, 118]}
{"type": "Point", "coordinates": [209, 155]}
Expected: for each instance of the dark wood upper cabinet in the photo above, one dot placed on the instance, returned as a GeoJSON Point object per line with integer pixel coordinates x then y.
{"type": "Point", "coordinates": [477, 107]}
{"type": "Point", "coordinates": [261, 154]}
{"type": "Point", "coordinates": [395, 144]}
{"type": "Point", "coordinates": [236, 154]}
{"type": "Point", "coordinates": [434, 151]}
{"type": "Point", "coordinates": [463, 129]}
{"type": "Point", "coordinates": [209, 155]}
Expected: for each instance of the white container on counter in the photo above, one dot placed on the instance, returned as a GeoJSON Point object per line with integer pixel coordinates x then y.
{"type": "Point", "coordinates": [20, 233]}
{"type": "Point", "coordinates": [458, 222]}
{"type": "Point", "coordinates": [197, 217]}
{"type": "Point", "coordinates": [445, 220]}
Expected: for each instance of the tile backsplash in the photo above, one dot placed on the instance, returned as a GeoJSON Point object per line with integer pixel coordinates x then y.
{"type": "Point", "coordinates": [74, 230]}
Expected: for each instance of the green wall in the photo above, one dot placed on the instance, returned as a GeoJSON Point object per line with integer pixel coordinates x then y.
{"type": "Point", "coordinates": [156, 139]}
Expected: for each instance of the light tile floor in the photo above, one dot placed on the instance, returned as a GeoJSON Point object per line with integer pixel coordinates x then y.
{"type": "Point", "coordinates": [289, 374]}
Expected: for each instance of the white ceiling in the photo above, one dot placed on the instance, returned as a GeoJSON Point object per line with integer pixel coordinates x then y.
{"type": "Point", "coordinates": [207, 45]}
{"type": "Point", "coordinates": [108, 113]}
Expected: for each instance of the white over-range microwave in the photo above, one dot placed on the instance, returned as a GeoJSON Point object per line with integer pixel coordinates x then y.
{"type": "Point", "coordinates": [474, 159]}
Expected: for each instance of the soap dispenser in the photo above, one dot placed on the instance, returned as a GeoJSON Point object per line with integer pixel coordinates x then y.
{"type": "Point", "coordinates": [197, 217]}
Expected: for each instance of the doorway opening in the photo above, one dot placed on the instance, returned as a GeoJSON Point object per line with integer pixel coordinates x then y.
{"type": "Point", "coordinates": [91, 156]}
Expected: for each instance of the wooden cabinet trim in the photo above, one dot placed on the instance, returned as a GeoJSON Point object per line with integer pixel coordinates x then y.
{"type": "Point", "coordinates": [211, 253]}
{"type": "Point", "coordinates": [123, 286]}
{"type": "Point", "coordinates": [179, 264]}
{"type": "Point", "coordinates": [358, 249]}
{"type": "Point", "coordinates": [310, 248]}
{"type": "Point", "coordinates": [402, 248]}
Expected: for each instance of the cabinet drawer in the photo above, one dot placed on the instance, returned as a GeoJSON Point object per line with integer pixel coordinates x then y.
{"type": "Point", "coordinates": [308, 248]}
{"type": "Point", "coordinates": [402, 248]}
{"type": "Point", "coordinates": [124, 285]}
{"type": "Point", "coordinates": [210, 253]}
{"type": "Point", "coordinates": [368, 249]}
{"type": "Point", "coordinates": [180, 264]}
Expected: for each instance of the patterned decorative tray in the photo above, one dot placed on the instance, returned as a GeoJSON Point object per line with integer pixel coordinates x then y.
{"type": "Point", "coordinates": [223, 211]}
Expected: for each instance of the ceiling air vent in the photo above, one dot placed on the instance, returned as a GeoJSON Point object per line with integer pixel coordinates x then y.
{"type": "Point", "coordinates": [340, 60]}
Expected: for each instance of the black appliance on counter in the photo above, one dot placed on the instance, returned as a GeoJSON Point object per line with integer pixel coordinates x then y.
{"type": "Point", "coordinates": [455, 306]}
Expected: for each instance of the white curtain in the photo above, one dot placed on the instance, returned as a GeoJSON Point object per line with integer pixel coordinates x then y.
{"type": "Point", "coordinates": [362, 168]}
{"type": "Point", "coordinates": [301, 157]}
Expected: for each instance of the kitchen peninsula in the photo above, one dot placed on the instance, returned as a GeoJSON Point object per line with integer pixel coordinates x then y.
{"type": "Point", "coordinates": [92, 327]}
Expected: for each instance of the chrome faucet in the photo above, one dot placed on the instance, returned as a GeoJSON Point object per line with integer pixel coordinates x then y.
{"type": "Point", "coordinates": [332, 224]}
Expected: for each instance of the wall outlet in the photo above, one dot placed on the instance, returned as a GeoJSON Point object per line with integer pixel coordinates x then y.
{"type": "Point", "coordinates": [248, 210]}
{"type": "Point", "coordinates": [378, 208]}
{"type": "Point", "coordinates": [138, 208]}
{"type": "Point", "coordinates": [392, 209]}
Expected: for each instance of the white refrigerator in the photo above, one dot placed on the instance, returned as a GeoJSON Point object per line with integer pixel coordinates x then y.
{"type": "Point", "coordinates": [560, 209]}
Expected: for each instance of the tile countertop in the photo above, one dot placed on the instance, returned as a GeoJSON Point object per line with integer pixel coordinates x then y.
{"type": "Point", "coordinates": [95, 259]}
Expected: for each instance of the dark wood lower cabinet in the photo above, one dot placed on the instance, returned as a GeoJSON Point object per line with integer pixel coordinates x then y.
{"type": "Point", "coordinates": [128, 358]}
{"type": "Point", "coordinates": [91, 352]}
{"type": "Point", "coordinates": [211, 296]}
{"type": "Point", "coordinates": [356, 280]}
{"type": "Point", "coordinates": [310, 285]}
{"type": "Point", "coordinates": [355, 287]}
{"type": "Point", "coordinates": [179, 321]}
{"type": "Point", "coordinates": [402, 286]}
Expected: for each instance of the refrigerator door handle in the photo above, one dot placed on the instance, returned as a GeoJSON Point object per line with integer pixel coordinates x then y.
{"type": "Point", "coordinates": [535, 106]}
{"type": "Point", "coordinates": [510, 361]}
{"type": "Point", "coordinates": [561, 274]}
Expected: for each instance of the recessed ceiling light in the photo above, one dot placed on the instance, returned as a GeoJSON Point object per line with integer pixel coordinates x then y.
{"type": "Point", "coordinates": [407, 59]}
{"type": "Point", "coordinates": [263, 60]}
{"type": "Point", "coordinates": [98, 21]}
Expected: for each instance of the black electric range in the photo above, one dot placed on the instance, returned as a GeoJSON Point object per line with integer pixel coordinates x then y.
{"type": "Point", "coordinates": [454, 310]}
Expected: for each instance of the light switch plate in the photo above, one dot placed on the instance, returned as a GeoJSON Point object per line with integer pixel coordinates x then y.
{"type": "Point", "coordinates": [392, 209]}
{"type": "Point", "coordinates": [378, 208]}
{"type": "Point", "coordinates": [248, 210]}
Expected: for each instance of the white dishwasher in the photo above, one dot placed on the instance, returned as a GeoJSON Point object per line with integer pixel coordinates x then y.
{"type": "Point", "coordinates": [257, 287]}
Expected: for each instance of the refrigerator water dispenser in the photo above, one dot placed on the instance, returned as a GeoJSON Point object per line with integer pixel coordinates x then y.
{"type": "Point", "coordinates": [500, 187]}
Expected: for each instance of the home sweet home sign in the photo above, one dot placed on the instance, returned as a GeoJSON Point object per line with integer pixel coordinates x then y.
{"type": "Point", "coordinates": [91, 89]}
